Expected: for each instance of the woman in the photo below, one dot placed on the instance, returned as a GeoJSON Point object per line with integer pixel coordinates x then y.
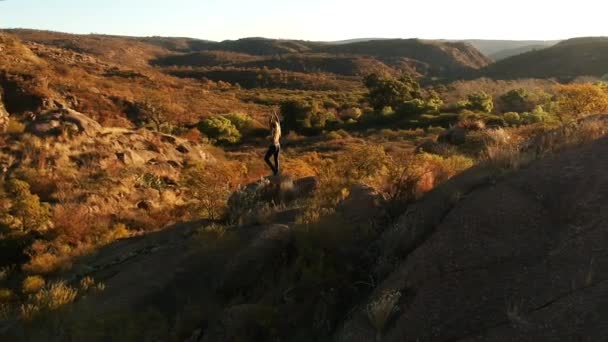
{"type": "Point", "coordinates": [275, 147]}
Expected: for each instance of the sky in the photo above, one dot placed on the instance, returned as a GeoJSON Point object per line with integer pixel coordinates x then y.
{"type": "Point", "coordinates": [320, 20]}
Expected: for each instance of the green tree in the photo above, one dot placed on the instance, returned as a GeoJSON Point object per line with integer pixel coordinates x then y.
{"type": "Point", "coordinates": [434, 102]}
{"type": "Point", "coordinates": [242, 122]}
{"type": "Point", "coordinates": [221, 129]}
{"type": "Point", "coordinates": [478, 102]}
{"type": "Point", "coordinates": [26, 212]}
{"type": "Point", "coordinates": [390, 92]}
{"type": "Point", "coordinates": [302, 115]}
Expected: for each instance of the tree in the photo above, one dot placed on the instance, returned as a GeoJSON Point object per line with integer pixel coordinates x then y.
{"type": "Point", "coordinates": [209, 186]}
{"type": "Point", "coordinates": [153, 110]}
{"type": "Point", "coordinates": [516, 100]}
{"type": "Point", "coordinates": [220, 129]}
{"type": "Point", "coordinates": [242, 122]}
{"type": "Point", "coordinates": [434, 102]}
{"type": "Point", "coordinates": [390, 92]}
{"type": "Point", "coordinates": [523, 100]}
{"type": "Point", "coordinates": [302, 115]}
{"type": "Point", "coordinates": [577, 100]}
{"type": "Point", "coordinates": [26, 212]}
{"type": "Point", "coordinates": [479, 102]}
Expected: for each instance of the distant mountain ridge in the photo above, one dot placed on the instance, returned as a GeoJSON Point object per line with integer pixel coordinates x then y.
{"type": "Point", "coordinates": [241, 61]}
{"type": "Point", "coordinates": [498, 49]}
{"type": "Point", "coordinates": [586, 56]}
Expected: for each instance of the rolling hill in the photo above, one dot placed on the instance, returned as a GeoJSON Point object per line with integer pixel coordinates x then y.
{"type": "Point", "coordinates": [500, 49]}
{"type": "Point", "coordinates": [564, 61]}
{"type": "Point", "coordinates": [329, 65]}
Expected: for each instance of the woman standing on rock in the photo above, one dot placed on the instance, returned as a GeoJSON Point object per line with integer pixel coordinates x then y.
{"type": "Point", "coordinates": [275, 146]}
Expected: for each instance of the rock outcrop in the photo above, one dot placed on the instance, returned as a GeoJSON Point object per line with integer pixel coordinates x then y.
{"type": "Point", "coordinates": [520, 259]}
{"type": "Point", "coordinates": [63, 121]}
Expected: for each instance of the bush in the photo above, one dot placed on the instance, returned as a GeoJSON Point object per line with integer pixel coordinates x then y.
{"type": "Point", "coordinates": [412, 107]}
{"type": "Point", "coordinates": [479, 101]}
{"type": "Point", "coordinates": [360, 165]}
{"type": "Point", "coordinates": [577, 100]}
{"type": "Point", "coordinates": [26, 212]}
{"type": "Point", "coordinates": [512, 118]}
{"type": "Point", "coordinates": [220, 129]}
{"type": "Point", "coordinates": [305, 116]}
{"type": "Point", "coordinates": [522, 100]}
{"type": "Point", "coordinates": [242, 122]}
{"type": "Point", "coordinates": [49, 298]}
{"type": "Point", "coordinates": [209, 186]}
{"type": "Point", "coordinates": [537, 116]}
{"type": "Point", "coordinates": [32, 284]}
{"type": "Point", "coordinates": [387, 91]}
{"type": "Point", "coordinates": [410, 178]}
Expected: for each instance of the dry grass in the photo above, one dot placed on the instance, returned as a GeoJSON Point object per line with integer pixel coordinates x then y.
{"type": "Point", "coordinates": [380, 311]}
{"type": "Point", "coordinates": [49, 298]}
{"type": "Point", "coordinates": [32, 284]}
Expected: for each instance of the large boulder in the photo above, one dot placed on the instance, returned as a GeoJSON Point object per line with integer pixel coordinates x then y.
{"type": "Point", "coordinates": [516, 259]}
{"type": "Point", "coordinates": [258, 260]}
{"type": "Point", "coordinates": [61, 121]}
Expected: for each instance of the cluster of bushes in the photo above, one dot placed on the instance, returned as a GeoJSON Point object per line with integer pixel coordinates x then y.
{"type": "Point", "coordinates": [403, 94]}
{"type": "Point", "coordinates": [524, 107]}
{"type": "Point", "coordinates": [227, 129]}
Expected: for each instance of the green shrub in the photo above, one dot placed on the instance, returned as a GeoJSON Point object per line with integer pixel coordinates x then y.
{"type": "Point", "coordinates": [242, 122]}
{"type": "Point", "coordinates": [538, 115]}
{"type": "Point", "coordinates": [412, 107]}
{"type": "Point", "coordinates": [479, 101]}
{"type": "Point", "coordinates": [220, 129]}
{"type": "Point", "coordinates": [387, 91]}
{"type": "Point", "coordinates": [512, 118]}
{"type": "Point", "coordinates": [26, 212]}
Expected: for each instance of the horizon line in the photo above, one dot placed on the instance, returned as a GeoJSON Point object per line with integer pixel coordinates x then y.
{"type": "Point", "coordinates": [292, 39]}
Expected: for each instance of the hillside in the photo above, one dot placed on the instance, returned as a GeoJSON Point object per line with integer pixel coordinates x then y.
{"type": "Point", "coordinates": [452, 268]}
{"type": "Point", "coordinates": [502, 54]}
{"type": "Point", "coordinates": [136, 203]}
{"type": "Point", "coordinates": [442, 58]}
{"type": "Point", "coordinates": [500, 49]}
{"type": "Point", "coordinates": [105, 76]}
{"type": "Point", "coordinates": [565, 61]}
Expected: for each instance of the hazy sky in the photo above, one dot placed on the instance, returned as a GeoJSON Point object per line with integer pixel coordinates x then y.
{"type": "Point", "coordinates": [314, 19]}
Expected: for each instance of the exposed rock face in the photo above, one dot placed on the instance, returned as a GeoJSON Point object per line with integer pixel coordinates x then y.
{"type": "Point", "coordinates": [521, 260]}
{"type": "Point", "coordinates": [262, 254]}
{"type": "Point", "coordinates": [58, 121]}
{"type": "Point", "coordinates": [363, 205]}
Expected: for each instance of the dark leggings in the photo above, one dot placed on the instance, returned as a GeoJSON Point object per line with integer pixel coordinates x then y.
{"type": "Point", "coordinates": [273, 151]}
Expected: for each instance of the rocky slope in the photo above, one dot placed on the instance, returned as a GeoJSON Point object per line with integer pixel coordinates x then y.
{"type": "Point", "coordinates": [527, 267]}
{"type": "Point", "coordinates": [482, 257]}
